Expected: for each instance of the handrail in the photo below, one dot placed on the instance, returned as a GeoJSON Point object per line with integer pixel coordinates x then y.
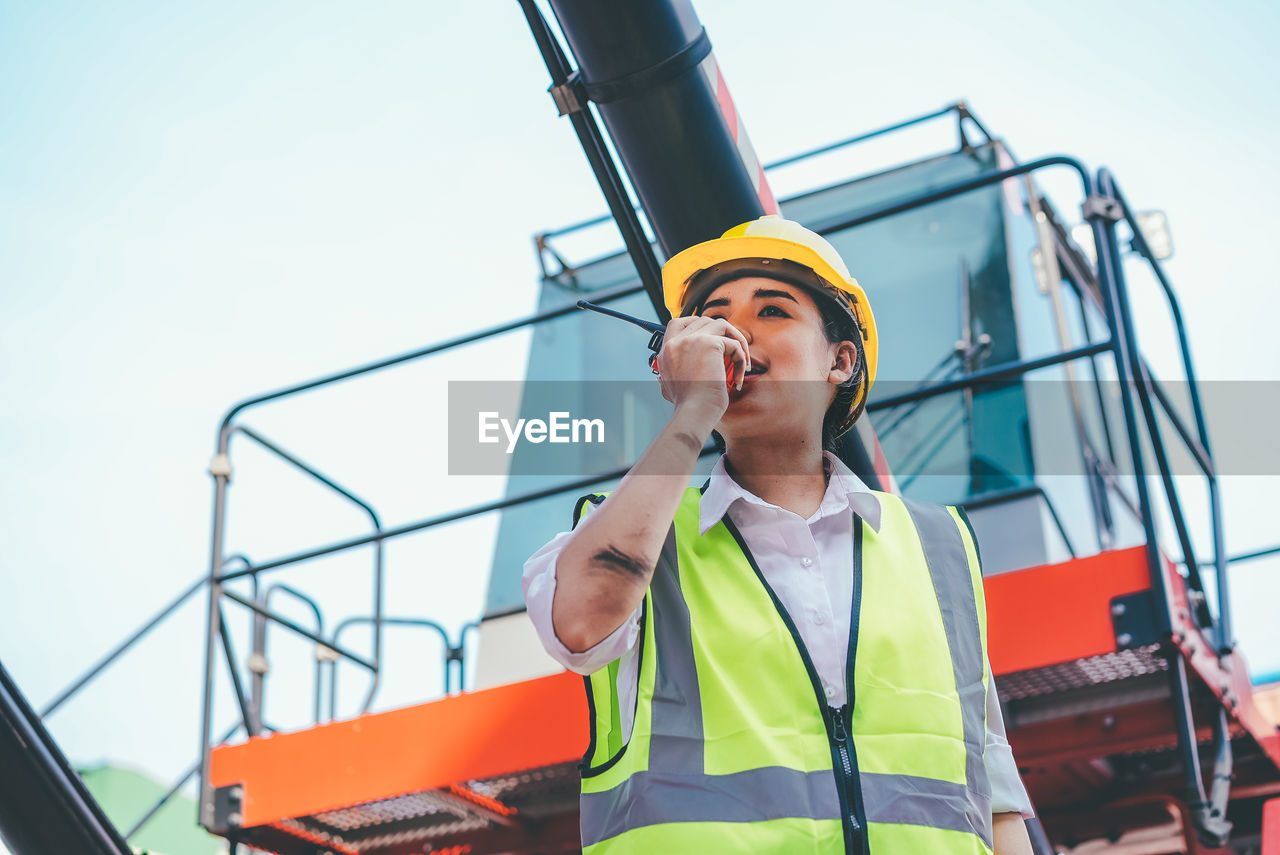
{"type": "Point", "coordinates": [1198, 452]}
{"type": "Point", "coordinates": [237, 686]}
{"type": "Point", "coordinates": [300, 630]}
{"type": "Point", "coordinates": [957, 188]}
{"type": "Point", "coordinates": [452, 652]}
{"type": "Point", "coordinates": [121, 648]}
{"type": "Point", "coordinates": [1246, 556]}
{"type": "Point", "coordinates": [998, 497]}
{"type": "Point", "coordinates": [220, 469]}
{"type": "Point", "coordinates": [430, 522]}
{"type": "Point", "coordinates": [420, 353]}
{"type": "Point", "coordinates": [260, 647]}
{"type": "Point", "coordinates": [1107, 184]}
{"type": "Point", "coordinates": [1103, 208]}
{"type": "Point", "coordinates": [989, 374]}
{"type": "Point", "coordinates": [378, 563]}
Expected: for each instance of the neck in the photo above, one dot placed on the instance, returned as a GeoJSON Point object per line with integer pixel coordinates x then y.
{"type": "Point", "coordinates": [789, 475]}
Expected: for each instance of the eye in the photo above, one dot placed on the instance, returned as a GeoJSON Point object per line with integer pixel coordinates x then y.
{"type": "Point", "coordinates": [774, 311]}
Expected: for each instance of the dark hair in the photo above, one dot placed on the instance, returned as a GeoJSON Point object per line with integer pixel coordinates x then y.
{"type": "Point", "coordinates": [838, 326]}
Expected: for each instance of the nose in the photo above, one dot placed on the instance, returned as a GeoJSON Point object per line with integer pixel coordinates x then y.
{"type": "Point", "coordinates": [743, 320]}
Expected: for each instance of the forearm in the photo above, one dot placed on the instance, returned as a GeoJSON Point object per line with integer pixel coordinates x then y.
{"type": "Point", "coordinates": [1010, 834]}
{"type": "Point", "coordinates": [606, 566]}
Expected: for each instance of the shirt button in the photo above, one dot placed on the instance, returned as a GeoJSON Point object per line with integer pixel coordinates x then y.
{"type": "Point", "coordinates": [806, 561]}
{"type": "Point", "coordinates": [831, 691]}
{"type": "Point", "coordinates": [818, 618]}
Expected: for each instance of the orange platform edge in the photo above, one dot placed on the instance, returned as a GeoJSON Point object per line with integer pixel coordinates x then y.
{"type": "Point", "coordinates": [1055, 613]}
{"type": "Point", "coordinates": [1037, 617]}
{"type": "Point", "coordinates": [481, 734]}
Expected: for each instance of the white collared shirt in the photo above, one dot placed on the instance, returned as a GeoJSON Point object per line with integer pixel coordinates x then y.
{"type": "Point", "coordinates": [807, 563]}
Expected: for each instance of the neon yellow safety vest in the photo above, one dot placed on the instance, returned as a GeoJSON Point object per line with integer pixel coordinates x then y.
{"type": "Point", "coordinates": [734, 748]}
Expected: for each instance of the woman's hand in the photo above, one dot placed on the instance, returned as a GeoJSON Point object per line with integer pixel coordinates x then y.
{"type": "Point", "coordinates": [700, 358]}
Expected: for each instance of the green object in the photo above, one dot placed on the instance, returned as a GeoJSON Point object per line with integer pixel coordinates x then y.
{"type": "Point", "coordinates": [735, 748]}
{"type": "Point", "coordinates": [126, 795]}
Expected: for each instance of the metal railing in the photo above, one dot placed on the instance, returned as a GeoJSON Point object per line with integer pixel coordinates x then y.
{"type": "Point", "coordinates": [630, 222]}
{"type": "Point", "coordinates": [1104, 207]}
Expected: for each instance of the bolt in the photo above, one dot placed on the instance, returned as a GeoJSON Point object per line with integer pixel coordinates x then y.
{"type": "Point", "coordinates": [1109, 722]}
{"type": "Point", "coordinates": [235, 819]}
{"type": "Point", "coordinates": [1117, 609]}
{"type": "Point", "coordinates": [237, 793]}
{"type": "Point", "coordinates": [1124, 639]}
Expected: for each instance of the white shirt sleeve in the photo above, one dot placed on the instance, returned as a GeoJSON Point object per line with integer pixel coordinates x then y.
{"type": "Point", "coordinates": [539, 582]}
{"type": "Point", "coordinates": [1008, 795]}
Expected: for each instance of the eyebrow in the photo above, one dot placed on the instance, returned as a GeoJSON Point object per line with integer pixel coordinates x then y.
{"type": "Point", "coordinates": [760, 293]}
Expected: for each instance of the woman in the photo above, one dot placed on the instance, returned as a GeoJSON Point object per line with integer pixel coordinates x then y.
{"type": "Point", "coordinates": [783, 660]}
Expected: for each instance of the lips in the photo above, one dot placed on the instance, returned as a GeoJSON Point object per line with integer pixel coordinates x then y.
{"type": "Point", "coordinates": [755, 372]}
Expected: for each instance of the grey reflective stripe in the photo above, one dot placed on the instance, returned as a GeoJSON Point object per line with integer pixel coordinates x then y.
{"type": "Point", "coordinates": [909, 800]}
{"type": "Point", "coordinates": [755, 795]}
{"type": "Point", "coordinates": [676, 744]}
{"type": "Point", "coordinates": [948, 562]}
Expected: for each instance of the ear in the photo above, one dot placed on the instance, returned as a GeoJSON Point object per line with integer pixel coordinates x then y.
{"type": "Point", "coordinates": [844, 357]}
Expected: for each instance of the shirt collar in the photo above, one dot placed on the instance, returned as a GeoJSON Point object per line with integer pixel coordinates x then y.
{"type": "Point", "coordinates": [844, 490]}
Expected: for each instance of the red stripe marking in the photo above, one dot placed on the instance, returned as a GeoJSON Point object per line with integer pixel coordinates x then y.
{"type": "Point", "coordinates": [726, 104]}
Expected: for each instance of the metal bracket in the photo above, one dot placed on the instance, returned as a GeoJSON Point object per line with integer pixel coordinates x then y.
{"type": "Point", "coordinates": [1101, 207]}
{"type": "Point", "coordinates": [258, 664]}
{"type": "Point", "coordinates": [220, 465]}
{"type": "Point", "coordinates": [1133, 618]}
{"type": "Point", "coordinates": [227, 812]}
{"type": "Point", "coordinates": [570, 96]}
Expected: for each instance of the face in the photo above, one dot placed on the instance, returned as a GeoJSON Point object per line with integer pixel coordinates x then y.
{"type": "Point", "coordinates": [794, 368]}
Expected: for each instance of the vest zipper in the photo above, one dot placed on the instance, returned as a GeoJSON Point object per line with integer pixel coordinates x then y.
{"type": "Point", "coordinates": [844, 757]}
{"type": "Point", "coordinates": [845, 779]}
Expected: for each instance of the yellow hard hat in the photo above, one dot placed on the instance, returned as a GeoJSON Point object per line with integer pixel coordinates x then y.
{"type": "Point", "coordinates": [689, 276]}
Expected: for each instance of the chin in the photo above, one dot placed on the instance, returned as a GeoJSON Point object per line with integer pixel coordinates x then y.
{"type": "Point", "coordinates": [745, 425]}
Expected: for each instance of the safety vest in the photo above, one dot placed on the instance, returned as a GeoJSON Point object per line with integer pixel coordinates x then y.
{"type": "Point", "coordinates": [734, 748]}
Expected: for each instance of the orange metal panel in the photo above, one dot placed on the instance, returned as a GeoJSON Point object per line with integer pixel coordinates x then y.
{"type": "Point", "coordinates": [477, 735]}
{"type": "Point", "coordinates": [1059, 612]}
{"type": "Point", "coordinates": [1271, 827]}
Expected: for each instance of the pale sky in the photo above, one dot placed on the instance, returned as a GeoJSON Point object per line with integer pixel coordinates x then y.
{"type": "Point", "coordinates": [206, 202]}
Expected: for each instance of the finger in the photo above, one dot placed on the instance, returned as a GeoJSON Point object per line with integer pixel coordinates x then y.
{"type": "Point", "coordinates": [735, 359]}
{"type": "Point", "coordinates": [728, 330]}
{"type": "Point", "coordinates": [663, 385]}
